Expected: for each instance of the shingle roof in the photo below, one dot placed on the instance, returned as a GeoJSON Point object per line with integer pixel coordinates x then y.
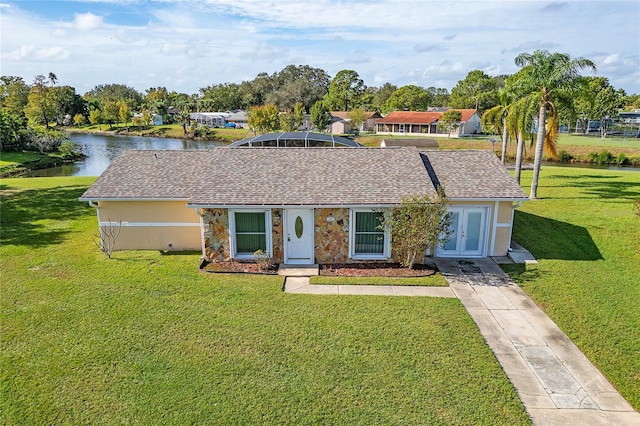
{"type": "Point", "coordinates": [473, 174]}
{"type": "Point", "coordinates": [421, 117]}
{"type": "Point", "coordinates": [266, 176]}
{"type": "Point", "coordinates": [301, 176]}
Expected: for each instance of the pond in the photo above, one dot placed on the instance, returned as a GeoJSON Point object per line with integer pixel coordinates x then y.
{"type": "Point", "coordinates": [102, 149]}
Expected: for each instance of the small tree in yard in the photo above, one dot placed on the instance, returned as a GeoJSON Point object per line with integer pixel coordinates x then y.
{"type": "Point", "coordinates": [420, 223]}
{"type": "Point", "coordinates": [106, 239]}
{"type": "Point", "coordinates": [450, 120]}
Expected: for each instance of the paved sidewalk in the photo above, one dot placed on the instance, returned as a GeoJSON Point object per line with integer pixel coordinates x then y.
{"type": "Point", "coordinates": [294, 284]}
{"type": "Point", "coordinates": [557, 384]}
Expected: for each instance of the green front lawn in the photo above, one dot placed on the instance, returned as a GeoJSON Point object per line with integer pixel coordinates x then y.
{"type": "Point", "coordinates": [587, 240]}
{"type": "Point", "coordinates": [146, 338]}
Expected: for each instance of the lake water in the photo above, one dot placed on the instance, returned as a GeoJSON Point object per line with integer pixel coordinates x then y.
{"type": "Point", "coordinates": [102, 149]}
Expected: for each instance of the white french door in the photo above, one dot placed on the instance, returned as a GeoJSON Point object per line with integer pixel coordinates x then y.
{"type": "Point", "coordinates": [468, 233]}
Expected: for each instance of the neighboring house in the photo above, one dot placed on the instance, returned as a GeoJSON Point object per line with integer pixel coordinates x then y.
{"type": "Point", "coordinates": [339, 125]}
{"type": "Point", "coordinates": [239, 118]}
{"type": "Point", "coordinates": [417, 142]}
{"type": "Point", "coordinates": [302, 205]}
{"type": "Point", "coordinates": [156, 119]}
{"type": "Point", "coordinates": [369, 124]}
{"type": "Point", "coordinates": [426, 122]}
{"type": "Point", "coordinates": [211, 119]}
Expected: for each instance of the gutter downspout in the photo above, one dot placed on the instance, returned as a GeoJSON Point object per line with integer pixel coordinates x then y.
{"type": "Point", "coordinates": [97, 207]}
{"type": "Point", "coordinates": [201, 214]}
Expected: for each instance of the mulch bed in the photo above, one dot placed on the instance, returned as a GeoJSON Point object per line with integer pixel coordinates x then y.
{"type": "Point", "coordinates": [375, 270]}
{"type": "Point", "coordinates": [334, 269]}
{"type": "Point", "coordinates": [238, 267]}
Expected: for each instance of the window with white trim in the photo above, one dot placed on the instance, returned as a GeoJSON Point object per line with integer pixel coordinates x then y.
{"type": "Point", "coordinates": [250, 231]}
{"type": "Point", "coordinates": [368, 239]}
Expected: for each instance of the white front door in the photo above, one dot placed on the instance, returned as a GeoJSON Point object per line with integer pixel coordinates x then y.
{"type": "Point", "coordinates": [298, 236]}
{"type": "Point", "coordinates": [468, 233]}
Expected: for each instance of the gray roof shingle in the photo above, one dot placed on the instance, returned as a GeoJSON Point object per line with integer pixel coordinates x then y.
{"type": "Point", "coordinates": [299, 176]}
{"type": "Point", "coordinates": [473, 174]}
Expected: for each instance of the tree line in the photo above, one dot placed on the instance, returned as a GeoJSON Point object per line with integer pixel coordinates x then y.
{"type": "Point", "coordinates": [28, 111]}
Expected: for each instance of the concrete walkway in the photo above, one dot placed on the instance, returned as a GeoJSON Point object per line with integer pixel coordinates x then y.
{"type": "Point", "coordinates": [557, 384]}
{"type": "Point", "coordinates": [301, 285]}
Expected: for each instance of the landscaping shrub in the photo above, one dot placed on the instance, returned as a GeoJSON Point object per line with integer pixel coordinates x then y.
{"type": "Point", "coordinates": [605, 157]}
{"type": "Point", "coordinates": [564, 156]}
{"type": "Point", "coordinates": [68, 150]}
{"type": "Point", "coordinates": [622, 159]}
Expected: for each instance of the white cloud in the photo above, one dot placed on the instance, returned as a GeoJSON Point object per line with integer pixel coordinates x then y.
{"type": "Point", "coordinates": [87, 21]}
{"type": "Point", "coordinates": [55, 53]}
{"type": "Point", "coordinates": [397, 41]}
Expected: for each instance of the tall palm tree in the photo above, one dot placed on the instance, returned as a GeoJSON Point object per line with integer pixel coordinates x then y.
{"type": "Point", "coordinates": [496, 118]}
{"type": "Point", "coordinates": [518, 123]}
{"type": "Point", "coordinates": [546, 78]}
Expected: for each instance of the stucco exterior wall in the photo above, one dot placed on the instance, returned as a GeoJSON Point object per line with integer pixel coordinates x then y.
{"type": "Point", "coordinates": [151, 225]}
{"type": "Point", "coordinates": [503, 236]}
{"type": "Point", "coordinates": [147, 211]}
{"type": "Point", "coordinates": [504, 225]}
{"type": "Point", "coordinates": [505, 210]}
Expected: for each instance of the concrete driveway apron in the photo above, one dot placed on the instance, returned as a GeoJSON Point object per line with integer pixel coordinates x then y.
{"type": "Point", "coordinates": [557, 384]}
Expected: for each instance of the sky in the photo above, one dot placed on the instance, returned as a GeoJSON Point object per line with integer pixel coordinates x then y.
{"type": "Point", "coordinates": [188, 45]}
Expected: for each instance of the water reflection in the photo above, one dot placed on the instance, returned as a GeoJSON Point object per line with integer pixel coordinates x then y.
{"type": "Point", "coordinates": [102, 149]}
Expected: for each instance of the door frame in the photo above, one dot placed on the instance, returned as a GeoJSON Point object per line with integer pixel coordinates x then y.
{"type": "Point", "coordinates": [286, 212]}
{"type": "Point", "coordinates": [462, 209]}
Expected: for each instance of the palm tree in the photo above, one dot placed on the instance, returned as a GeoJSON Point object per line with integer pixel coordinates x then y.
{"type": "Point", "coordinates": [518, 123]}
{"type": "Point", "coordinates": [545, 79]}
{"type": "Point", "coordinates": [496, 119]}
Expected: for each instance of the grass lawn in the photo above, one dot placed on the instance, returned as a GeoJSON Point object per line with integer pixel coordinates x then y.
{"type": "Point", "coordinates": [16, 162]}
{"type": "Point", "coordinates": [146, 338]}
{"type": "Point", "coordinates": [434, 280]}
{"type": "Point", "coordinates": [173, 130]}
{"type": "Point", "coordinates": [578, 146]}
{"type": "Point", "coordinates": [587, 240]}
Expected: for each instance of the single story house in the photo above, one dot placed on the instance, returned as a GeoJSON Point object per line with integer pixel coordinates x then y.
{"type": "Point", "coordinates": [339, 125]}
{"type": "Point", "coordinates": [301, 205]}
{"type": "Point", "coordinates": [156, 119]}
{"type": "Point", "coordinates": [341, 122]}
{"type": "Point", "coordinates": [239, 118]}
{"type": "Point", "coordinates": [426, 122]}
{"type": "Point", "coordinates": [211, 119]}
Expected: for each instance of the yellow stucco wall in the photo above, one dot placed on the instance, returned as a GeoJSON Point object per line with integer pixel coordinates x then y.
{"type": "Point", "coordinates": [502, 241]}
{"type": "Point", "coordinates": [147, 225]}
{"type": "Point", "coordinates": [504, 211]}
{"type": "Point", "coordinates": [147, 211]}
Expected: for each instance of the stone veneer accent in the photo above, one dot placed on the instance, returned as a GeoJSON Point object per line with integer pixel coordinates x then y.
{"type": "Point", "coordinates": [331, 236]}
{"type": "Point", "coordinates": [277, 238]}
{"type": "Point", "coordinates": [216, 234]}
